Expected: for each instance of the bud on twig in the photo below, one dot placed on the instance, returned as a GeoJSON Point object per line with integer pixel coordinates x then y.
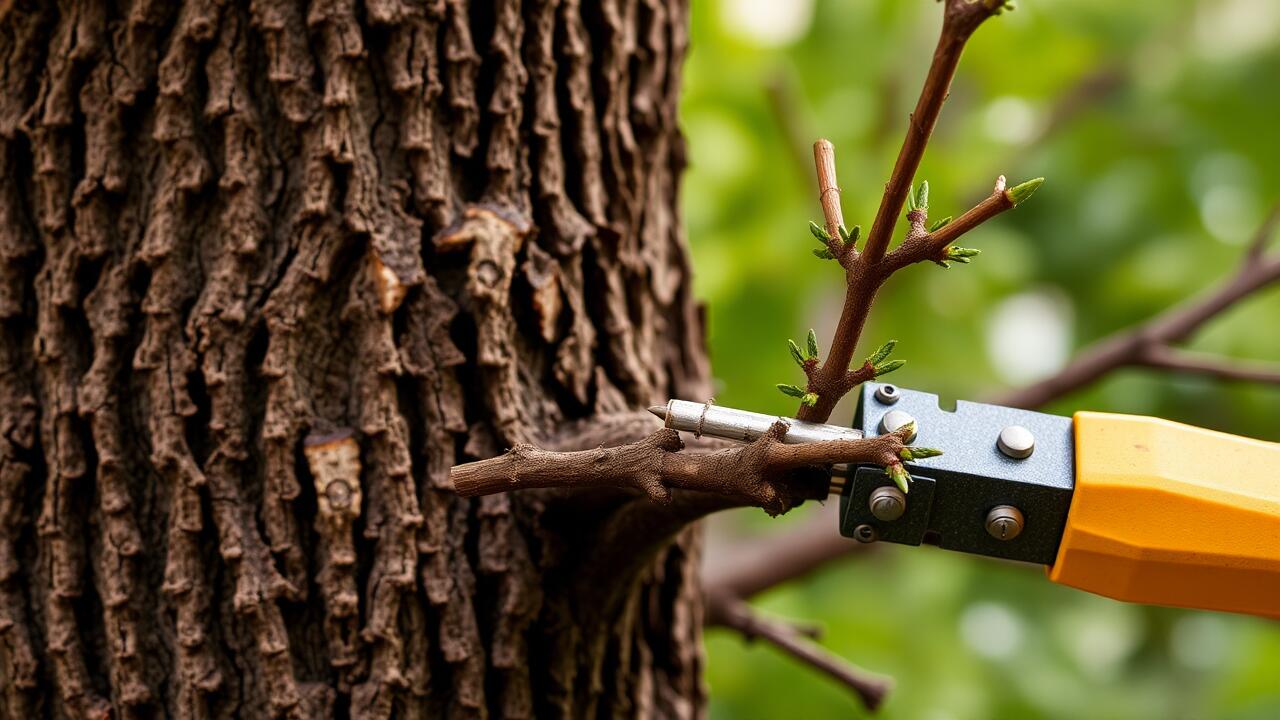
{"type": "Point", "coordinates": [877, 360]}
{"type": "Point", "coordinates": [882, 352]}
{"type": "Point", "coordinates": [819, 233]}
{"type": "Point", "coordinates": [918, 453]}
{"type": "Point", "coordinates": [790, 390]}
{"type": "Point", "coordinates": [899, 476]}
{"type": "Point", "coordinates": [958, 254]}
{"type": "Point", "coordinates": [1019, 193]}
{"type": "Point", "coordinates": [795, 352]}
{"type": "Point", "coordinates": [812, 345]}
{"type": "Point", "coordinates": [919, 200]}
{"type": "Point", "coordinates": [889, 367]}
{"type": "Point", "coordinates": [998, 6]}
{"type": "Point", "coordinates": [850, 237]}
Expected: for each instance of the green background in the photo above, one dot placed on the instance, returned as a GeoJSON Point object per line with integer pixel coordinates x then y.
{"type": "Point", "coordinates": [1154, 185]}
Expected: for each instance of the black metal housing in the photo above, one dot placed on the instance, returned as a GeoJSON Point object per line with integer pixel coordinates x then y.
{"type": "Point", "coordinates": [951, 494]}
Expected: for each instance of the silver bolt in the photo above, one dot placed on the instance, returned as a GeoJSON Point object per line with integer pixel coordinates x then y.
{"type": "Point", "coordinates": [1016, 442]}
{"type": "Point", "coordinates": [864, 534]}
{"type": "Point", "coordinates": [888, 394]}
{"type": "Point", "coordinates": [895, 420]}
{"type": "Point", "coordinates": [1004, 522]}
{"type": "Point", "coordinates": [887, 503]}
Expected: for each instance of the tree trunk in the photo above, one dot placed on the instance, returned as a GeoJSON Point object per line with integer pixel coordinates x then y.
{"type": "Point", "coordinates": [267, 271]}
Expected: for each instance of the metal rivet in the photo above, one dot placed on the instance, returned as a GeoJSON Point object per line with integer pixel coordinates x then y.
{"type": "Point", "coordinates": [887, 503]}
{"type": "Point", "coordinates": [888, 394]}
{"type": "Point", "coordinates": [1004, 522]}
{"type": "Point", "coordinates": [894, 420]}
{"type": "Point", "coordinates": [1016, 441]}
{"type": "Point", "coordinates": [864, 534]}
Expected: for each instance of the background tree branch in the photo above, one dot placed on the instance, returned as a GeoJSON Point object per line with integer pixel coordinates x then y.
{"type": "Point", "coordinates": [731, 612]}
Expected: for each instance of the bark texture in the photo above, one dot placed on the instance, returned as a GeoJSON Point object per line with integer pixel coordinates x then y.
{"type": "Point", "coordinates": [268, 270]}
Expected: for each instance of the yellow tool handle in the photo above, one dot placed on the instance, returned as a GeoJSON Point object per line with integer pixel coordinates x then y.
{"type": "Point", "coordinates": [1170, 514]}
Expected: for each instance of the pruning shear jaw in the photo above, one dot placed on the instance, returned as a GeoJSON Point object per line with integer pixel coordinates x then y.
{"type": "Point", "coordinates": [978, 496]}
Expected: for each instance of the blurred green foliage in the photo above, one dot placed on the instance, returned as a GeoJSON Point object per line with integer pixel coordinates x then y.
{"type": "Point", "coordinates": [1154, 123]}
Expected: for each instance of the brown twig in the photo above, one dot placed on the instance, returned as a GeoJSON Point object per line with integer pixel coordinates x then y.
{"type": "Point", "coordinates": [753, 475]}
{"type": "Point", "coordinates": [923, 246]}
{"type": "Point", "coordinates": [1163, 357]}
{"type": "Point", "coordinates": [867, 270]}
{"type": "Point", "coordinates": [1263, 235]}
{"type": "Point", "coordinates": [824, 159]}
{"type": "Point", "coordinates": [792, 554]}
{"type": "Point", "coordinates": [959, 20]}
{"type": "Point", "coordinates": [1129, 347]}
{"type": "Point", "coordinates": [731, 612]}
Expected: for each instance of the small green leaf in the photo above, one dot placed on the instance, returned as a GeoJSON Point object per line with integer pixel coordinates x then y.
{"type": "Point", "coordinates": [940, 224]}
{"type": "Point", "coordinates": [1019, 193]}
{"type": "Point", "coordinates": [823, 253]}
{"type": "Point", "coordinates": [889, 367]}
{"type": "Point", "coordinates": [850, 237]}
{"type": "Point", "coordinates": [812, 345]}
{"type": "Point", "coordinates": [911, 200]}
{"type": "Point", "coordinates": [942, 264]}
{"type": "Point", "coordinates": [791, 390]}
{"type": "Point", "coordinates": [819, 233]}
{"type": "Point", "coordinates": [809, 399]}
{"type": "Point", "coordinates": [882, 352]}
{"type": "Point", "coordinates": [922, 196]}
{"type": "Point", "coordinates": [899, 476]}
{"type": "Point", "coordinates": [795, 352]}
{"type": "Point", "coordinates": [961, 254]}
{"type": "Point", "coordinates": [918, 453]}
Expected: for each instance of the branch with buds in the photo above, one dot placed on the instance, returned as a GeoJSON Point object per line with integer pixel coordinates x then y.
{"type": "Point", "coordinates": [868, 268]}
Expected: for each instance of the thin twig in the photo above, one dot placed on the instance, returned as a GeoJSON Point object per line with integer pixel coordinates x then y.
{"type": "Point", "coordinates": [1164, 357]}
{"type": "Point", "coordinates": [824, 159]}
{"type": "Point", "coordinates": [1127, 346]}
{"type": "Point", "coordinates": [932, 246]}
{"type": "Point", "coordinates": [959, 21]}
{"type": "Point", "coordinates": [737, 570]}
{"type": "Point", "coordinates": [733, 613]}
{"type": "Point", "coordinates": [1258, 243]}
{"type": "Point", "coordinates": [866, 271]}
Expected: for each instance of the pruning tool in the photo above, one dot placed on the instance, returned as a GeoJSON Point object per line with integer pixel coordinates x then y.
{"type": "Point", "coordinates": [1134, 508]}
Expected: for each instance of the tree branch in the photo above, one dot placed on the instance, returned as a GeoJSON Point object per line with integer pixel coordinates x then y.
{"type": "Point", "coordinates": [824, 159]}
{"type": "Point", "coordinates": [1262, 236]}
{"type": "Point", "coordinates": [733, 613]}
{"type": "Point", "coordinates": [921, 246]}
{"type": "Point", "coordinates": [866, 271]}
{"type": "Point", "coordinates": [793, 553]}
{"type": "Point", "coordinates": [959, 21]}
{"type": "Point", "coordinates": [1163, 357]}
{"type": "Point", "coordinates": [753, 475]}
{"type": "Point", "coordinates": [1127, 347]}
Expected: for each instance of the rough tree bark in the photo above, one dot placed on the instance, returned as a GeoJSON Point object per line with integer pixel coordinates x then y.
{"type": "Point", "coordinates": [267, 271]}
